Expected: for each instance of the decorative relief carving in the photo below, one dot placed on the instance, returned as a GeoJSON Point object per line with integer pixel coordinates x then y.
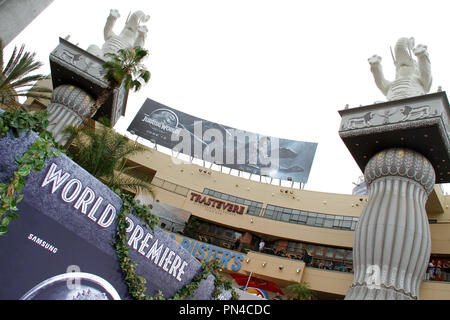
{"type": "Point", "coordinates": [403, 163]}
{"type": "Point", "coordinates": [360, 122]}
{"type": "Point", "coordinates": [410, 113]}
{"type": "Point", "coordinates": [388, 116]}
{"type": "Point", "coordinates": [79, 62]}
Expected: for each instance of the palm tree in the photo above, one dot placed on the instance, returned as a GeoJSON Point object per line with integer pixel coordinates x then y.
{"type": "Point", "coordinates": [126, 67]}
{"type": "Point", "coordinates": [103, 152]}
{"type": "Point", "coordinates": [300, 291]}
{"type": "Point", "coordinates": [122, 181]}
{"type": "Point", "coordinates": [16, 78]}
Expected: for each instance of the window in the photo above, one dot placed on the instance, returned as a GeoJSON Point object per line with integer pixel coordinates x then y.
{"type": "Point", "coordinates": [285, 217]}
{"type": "Point", "coordinates": [254, 208]}
{"type": "Point", "coordinates": [229, 233]}
{"type": "Point", "coordinates": [311, 221]}
{"type": "Point", "coordinates": [212, 229]}
{"type": "Point", "coordinates": [291, 246]}
{"type": "Point", "coordinates": [169, 186]}
{"type": "Point", "coordinates": [302, 218]}
{"type": "Point", "coordinates": [328, 223]}
{"type": "Point", "coordinates": [158, 182]}
{"type": "Point", "coordinates": [181, 190]}
{"type": "Point", "coordinates": [204, 227]}
{"type": "Point", "coordinates": [268, 213]}
{"type": "Point", "coordinates": [320, 251]}
{"type": "Point", "coordinates": [339, 254]}
{"type": "Point", "coordinates": [337, 224]}
{"type": "Point", "coordinates": [319, 222]}
{"type": "Point", "coordinates": [329, 253]}
{"type": "Point", "coordinates": [346, 223]}
{"type": "Point", "coordinates": [349, 255]}
{"type": "Point", "coordinates": [309, 218]}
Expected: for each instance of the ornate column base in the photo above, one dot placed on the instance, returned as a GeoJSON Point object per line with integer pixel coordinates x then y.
{"type": "Point", "coordinates": [365, 291]}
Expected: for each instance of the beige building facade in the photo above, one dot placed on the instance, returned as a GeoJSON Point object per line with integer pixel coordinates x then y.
{"type": "Point", "coordinates": [288, 220]}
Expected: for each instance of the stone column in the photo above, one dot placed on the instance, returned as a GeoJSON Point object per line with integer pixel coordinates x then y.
{"type": "Point", "coordinates": [392, 241]}
{"type": "Point", "coordinates": [69, 106]}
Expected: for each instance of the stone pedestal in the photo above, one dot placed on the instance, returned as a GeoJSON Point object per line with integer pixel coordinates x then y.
{"type": "Point", "coordinates": [77, 78]}
{"type": "Point", "coordinates": [402, 147]}
{"type": "Point", "coordinates": [392, 240]}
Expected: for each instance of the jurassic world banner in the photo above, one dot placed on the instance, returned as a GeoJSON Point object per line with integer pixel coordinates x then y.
{"type": "Point", "coordinates": [237, 149]}
{"type": "Point", "coordinates": [60, 246]}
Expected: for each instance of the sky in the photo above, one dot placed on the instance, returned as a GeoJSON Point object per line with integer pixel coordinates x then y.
{"type": "Point", "coordinates": [275, 67]}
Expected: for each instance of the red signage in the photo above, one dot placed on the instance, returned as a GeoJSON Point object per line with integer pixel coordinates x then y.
{"type": "Point", "coordinates": [216, 203]}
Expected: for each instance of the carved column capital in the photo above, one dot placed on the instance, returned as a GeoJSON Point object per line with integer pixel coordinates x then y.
{"type": "Point", "coordinates": [401, 162]}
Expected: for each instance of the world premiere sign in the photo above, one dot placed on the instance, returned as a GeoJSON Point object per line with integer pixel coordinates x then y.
{"type": "Point", "coordinates": [66, 227]}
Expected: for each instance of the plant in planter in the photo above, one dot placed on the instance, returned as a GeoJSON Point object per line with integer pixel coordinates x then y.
{"type": "Point", "coordinates": [300, 291]}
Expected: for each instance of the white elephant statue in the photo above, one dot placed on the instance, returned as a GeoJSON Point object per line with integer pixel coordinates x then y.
{"type": "Point", "coordinates": [133, 34]}
{"type": "Point", "coordinates": [412, 78]}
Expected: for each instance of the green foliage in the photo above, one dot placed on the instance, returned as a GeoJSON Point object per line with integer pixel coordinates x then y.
{"type": "Point", "coordinates": [103, 152]}
{"type": "Point", "coordinates": [300, 291]}
{"type": "Point", "coordinates": [126, 66]}
{"type": "Point", "coordinates": [16, 78]}
{"type": "Point", "coordinates": [32, 160]}
{"type": "Point", "coordinates": [191, 225]}
{"type": "Point", "coordinates": [136, 283]}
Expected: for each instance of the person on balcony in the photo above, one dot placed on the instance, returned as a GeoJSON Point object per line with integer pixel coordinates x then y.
{"type": "Point", "coordinates": [261, 245]}
{"type": "Point", "coordinates": [237, 243]}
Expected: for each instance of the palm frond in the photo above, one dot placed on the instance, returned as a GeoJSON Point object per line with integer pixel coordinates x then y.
{"type": "Point", "coordinates": [16, 78]}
